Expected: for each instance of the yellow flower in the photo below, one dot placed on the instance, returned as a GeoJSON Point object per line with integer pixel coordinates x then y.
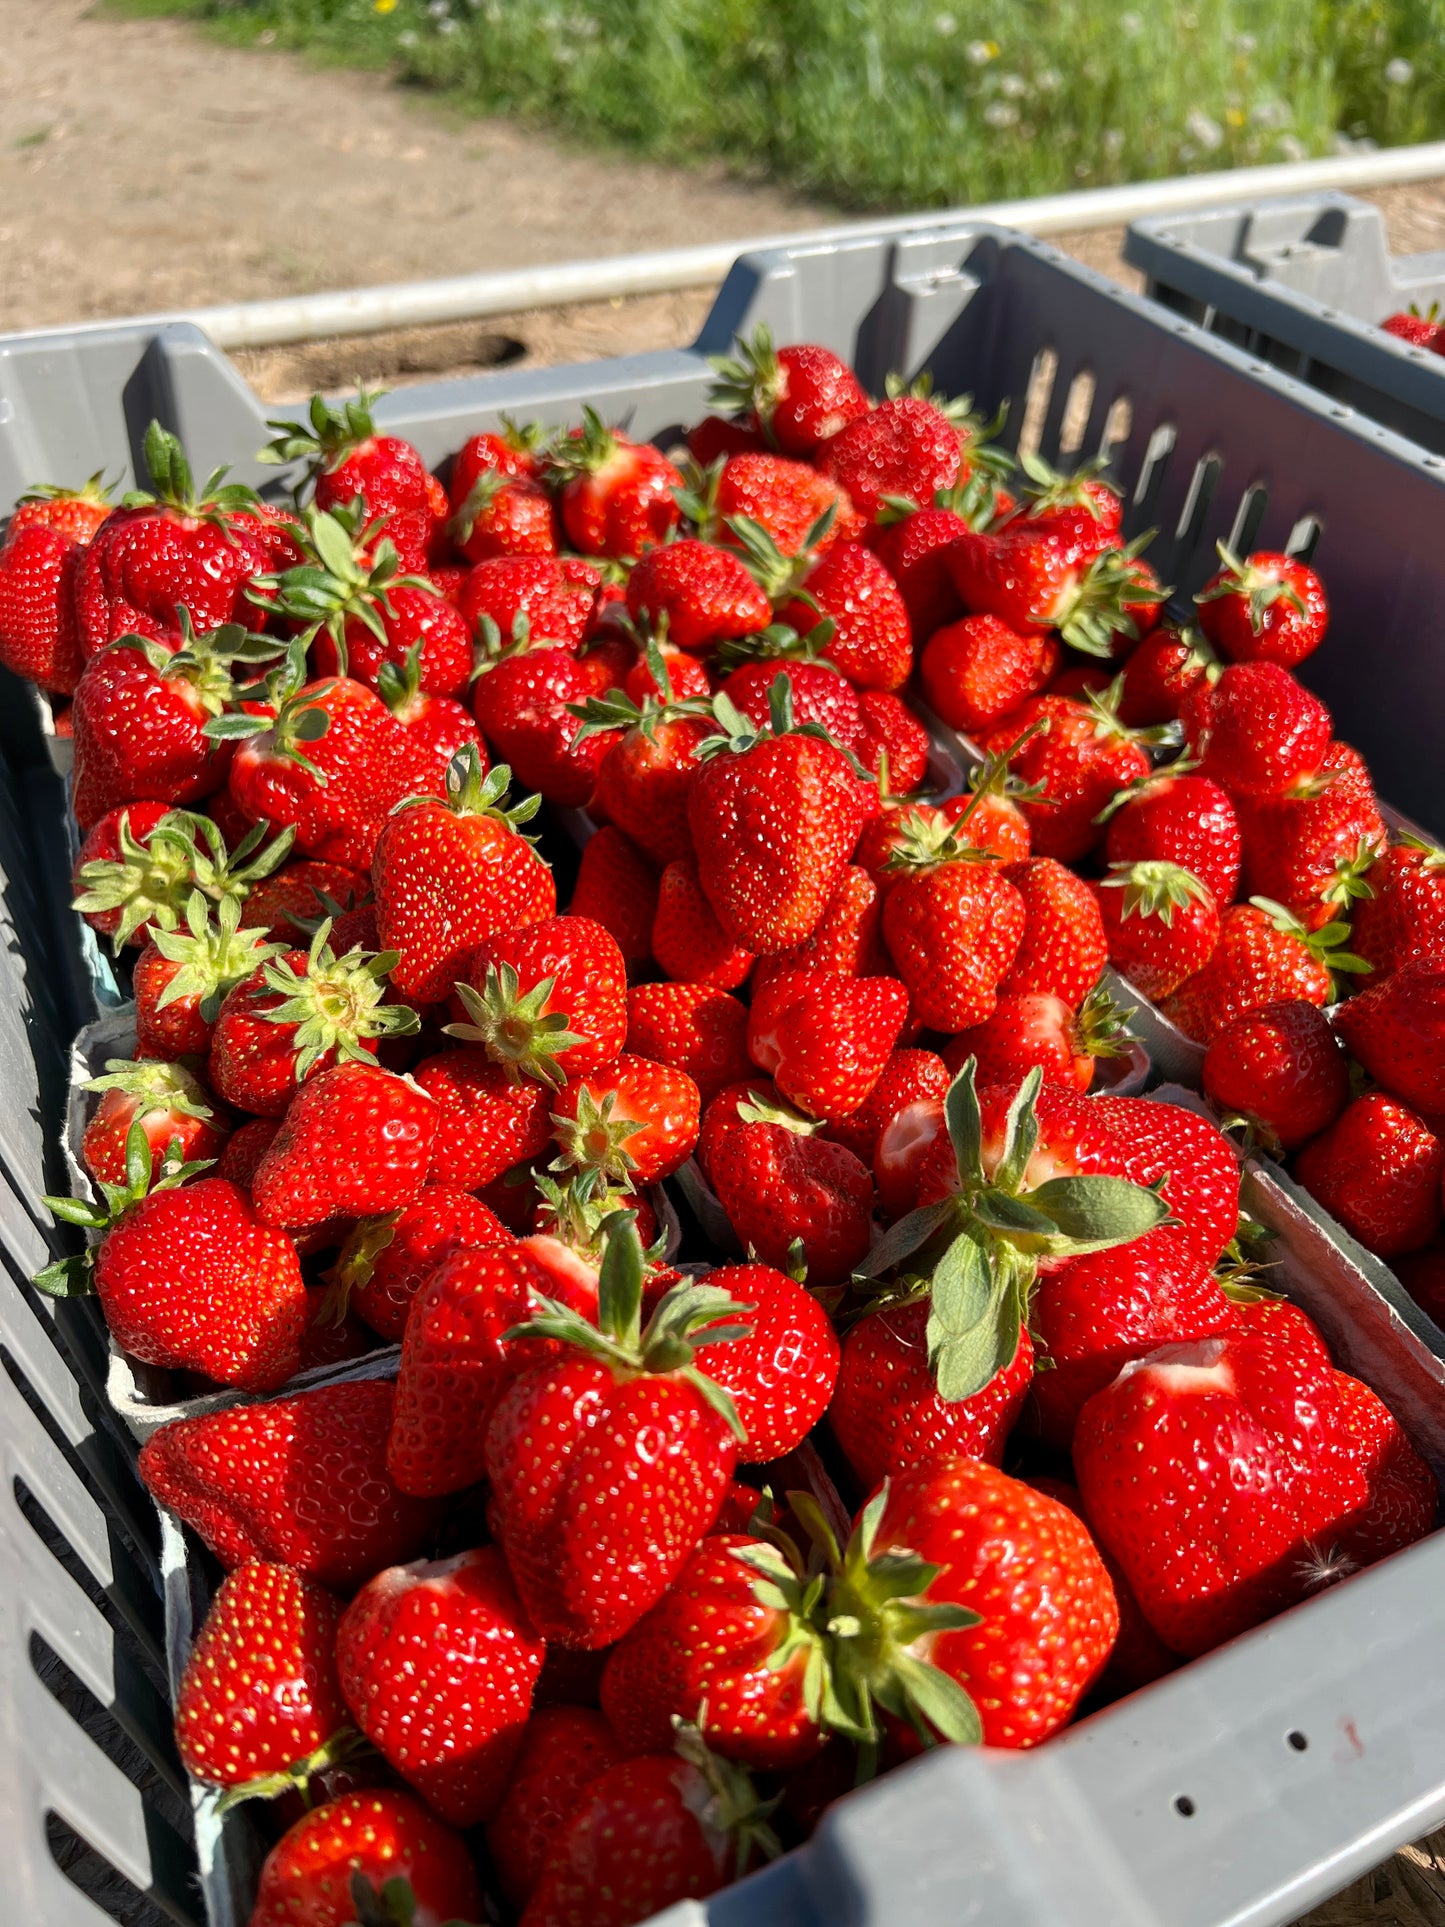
{"type": "Point", "coordinates": [385, 6]}
{"type": "Point", "coordinates": [1234, 117]}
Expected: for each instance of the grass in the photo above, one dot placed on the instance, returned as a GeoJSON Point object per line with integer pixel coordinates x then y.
{"type": "Point", "coordinates": [903, 103]}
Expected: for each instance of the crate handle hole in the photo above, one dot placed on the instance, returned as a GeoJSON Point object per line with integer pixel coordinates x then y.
{"type": "Point", "coordinates": [1299, 1741]}
{"type": "Point", "coordinates": [1184, 1806]}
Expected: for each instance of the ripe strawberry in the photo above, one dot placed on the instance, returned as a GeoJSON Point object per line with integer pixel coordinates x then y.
{"type": "Point", "coordinates": [259, 1697]}
{"type": "Point", "coordinates": [486, 1122]}
{"type": "Point", "coordinates": [616, 494]}
{"type": "Point", "coordinates": [368, 1838]}
{"type": "Point", "coordinates": [39, 635]}
{"type": "Point", "coordinates": [452, 1634]}
{"type": "Point", "coordinates": [952, 924]}
{"type": "Point", "coordinates": [297, 896]}
{"type": "Point", "coordinates": [990, 815]}
{"type": "Point", "coordinates": [644, 778]}
{"type": "Point", "coordinates": [1186, 1157]}
{"type": "Point", "coordinates": [617, 887]}
{"type": "Point", "coordinates": [532, 597]}
{"type": "Point", "coordinates": [1403, 1496]}
{"type": "Point", "coordinates": [912, 550]}
{"type": "Point", "coordinates": [1079, 759]}
{"type": "Point", "coordinates": [1039, 574]}
{"type": "Point", "coordinates": [895, 746]}
{"type": "Point", "coordinates": [977, 671]}
{"type": "Point", "coordinates": [528, 706]}
{"type": "Point", "coordinates": [1162, 675]}
{"type": "Point", "coordinates": [693, 1027]}
{"type": "Point", "coordinates": [780, 1374]}
{"type": "Point", "coordinates": [75, 512]}
{"type": "Point", "coordinates": [1312, 848]}
{"type": "Point", "coordinates": [908, 1078]}
{"type": "Point", "coordinates": [139, 867]}
{"type": "Point", "coordinates": [1257, 731]}
{"type": "Point", "coordinates": [181, 978]}
{"type": "Point", "coordinates": [346, 458]}
{"type": "Point", "coordinates": [515, 452]}
{"type": "Point", "coordinates": [564, 1750]}
{"type": "Point", "coordinates": [300, 1481]}
{"type": "Point", "coordinates": [1263, 956]}
{"type": "Point", "coordinates": [1064, 945]}
{"type": "Point", "coordinates": [824, 1037]}
{"type": "Point", "coordinates": [1186, 820]}
{"type": "Point", "coordinates": [437, 725]}
{"type": "Point", "coordinates": [870, 638]}
{"type": "Point", "coordinates": [686, 676]}
{"type": "Point", "coordinates": [648, 1833]}
{"type": "Point", "coordinates": [774, 813]}
{"type": "Point", "coordinates": [1042, 1617]}
{"type": "Point", "coordinates": [797, 396]}
{"type": "Point", "coordinates": [355, 1139]}
{"type": "Point", "coordinates": [1378, 1170]}
{"type": "Point", "coordinates": [1029, 1028]}
{"type": "Point", "coordinates": [387, 1259]}
{"type": "Point", "coordinates": [1082, 503]}
{"type": "Point", "coordinates": [701, 592]}
{"type": "Point", "coordinates": [1107, 1307]}
{"type": "Point", "coordinates": [818, 693]}
{"type": "Point", "coordinates": [1268, 608]}
{"type": "Point", "coordinates": [1210, 1468]}
{"type": "Point", "coordinates": [782, 1186]}
{"type": "Point", "coordinates": [847, 938]}
{"type": "Point", "coordinates": [1402, 919]}
{"type": "Point", "coordinates": [547, 1001]}
{"type": "Point", "coordinates": [1280, 1068]}
{"type": "Point", "coordinates": [788, 499]}
{"type": "Point", "coordinates": [1162, 924]}
{"type": "Point", "coordinates": [244, 1149]}
{"type": "Point", "coordinates": [907, 446]}
{"type": "Point", "coordinates": [633, 1121]}
{"type": "Point", "coordinates": [169, 1104]}
{"type": "Point", "coordinates": [502, 514]}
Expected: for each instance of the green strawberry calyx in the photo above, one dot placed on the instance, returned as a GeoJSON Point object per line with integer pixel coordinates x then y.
{"type": "Point", "coordinates": [1155, 888]}
{"type": "Point", "coordinates": [750, 381]}
{"type": "Point", "coordinates": [174, 487]}
{"type": "Point", "coordinates": [596, 1139]}
{"type": "Point", "coordinates": [203, 662]}
{"type": "Point", "coordinates": [781, 577]}
{"type": "Point", "coordinates": [517, 1029]}
{"type": "Point", "coordinates": [468, 791]}
{"type": "Point", "coordinates": [340, 583]}
{"type": "Point", "coordinates": [336, 1003]}
{"type": "Point", "coordinates": [327, 436]}
{"type": "Point", "coordinates": [292, 711]}
{"type": "Point", "coordinates": [392, 1904]}
{"type": "Point", "coordinates": [1093, 609]}
{"type": "Point", "coordinates": [977, 433]}
{"type": "Point", "coordinates": [94, 490]}
{"type": "Point", "coordinates": [587, 451]}
{"type": "Point", "coordinates": [737, 734]}
{"type": "Point", "coordinates": [980, 1247]}
{"type": "Point", "coordinates": [575, 1212]}
{"type": "Point", "coordinates": [1050, 489]}
{"type": "Point", "coordinates": [1259, 589]}
{"type": "Point", "coordinates": [356, 1263]}
{"type": "Point", "coordinates": [213, 955]}
{"type": "Point", "coordinates": [156, 1085]}
{"type": "Point", "coordinates": [728, 1806]}
{"type": "Point", "coordinates": [1325, 945]}
{"type": "Point", "coordinates": [344, 1745]}
{"type": "Point", "coordinates": [74, 1276]}
{"type": "Point", "coordinates": [152, 882]}
{"type": "Point", "coordinates": [667, 1343]}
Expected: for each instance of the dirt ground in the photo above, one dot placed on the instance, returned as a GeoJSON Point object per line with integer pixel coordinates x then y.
{"type": "Point", "coordinates": [143, 167]}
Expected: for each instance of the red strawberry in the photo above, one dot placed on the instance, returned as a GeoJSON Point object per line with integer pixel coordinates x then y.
{"type": "Point", "coordinates": [694, 1027]}
{"type": "Point", "coordinates": [952, 924]}
{"type": "Point", "coordinates": [616, 494]}
{"type": "Point", "coordinates": [387, 1259]}
{"type": "Point", "coordinates": [797, 396]}
{"type": "Point", "coordinates": [870, 638]}
{"type": "Point", "coordinates": [1162, 924]}
{"type": "Point", "coordinates": [139, 867]}
{"type": "Point", "coordinates": [617, 887]}
{"type": "Point", "coordinates": [781, 1185]}
{"type": "Point", "coordinates": [452, 1634]}
{"type": "Point", "coordinates": [1264, 956]}
{"type": "Point", "coordinates": [486, 1122]}
{"type": "Point", "coordinates": [685, 676]}
{"type": "Point", "coordinates": [701, 592]}
{"type": "Point", "coordinates": [1402, 918]}
{"type": "Point", "coordinates": [818, 692]}
{"type": "Point", "coordinates": [989, 814]}
{"type": "Point", "coordinates": [1064, 946]}
{"type": "Point", "coordinates": [644, 778]}
{"type": "Point", "coordinates": [528, 706]}
{"type": "Point", "coordinates": [515, 452]}
{"type": "Point", "coordinates": [301, 1481]}
{"type": "Point", "coordinates": [1185, 1155]}
{"type": "Point", "coordinates": [824, 1037]}
{"type": "Point", "coordinates": [1403, 1496]}
{"type": "Point", "coordinates": [1281, 1068]}
{"type": "Point", "coordinates": [259, 1695]}
{"type": "Point", "coordinates": [780, 1374]}
{"type": "Point", "coordinates": [1420, 330]}
{"type": "Point", "coordinates": [181, 978]}
{"type": "Point", "coordinates": [39, 635]}
{"type": "Point", "coordinates": [244, 1149]}
{"type": "Point", "coordinates": [1029, 1028]}
{"type": "Point", "coordinates": [1186, 820]}
{"type": "Point", "coordinates": [1049, 574]}
{"type": "Point", "coordinates": [346, 458]}
{"type": "Point", "coordinates": [355, 1139]}
{"type": "Point", "coordinates": [1209, 1468]}
{"type": "Point", "coordinates": [1312, 848]}
{"type": "Point", "coordinates": [450, 873]}
{"type": "Point", "coordinates": [502, 514]}
{"type": "Point", "coordinates": [1378, 1170]}
{"type": "Point", "coordinates": [298, 895]}
{"type": "Point", "coordinates": [912, 550]}
{"type": "Point", "coordinates": [633, 1121]}
{"type": "Point", "coordinates": [564, 1750]}
{"type": "Point", "coordinates": [1081, 504]}
{"type": "Point", "coordinates": [372, 1837]}
{"type": "Point", "coordinates": [169, 1104]}
{"type": "Point", "coordinates": [688, 942]}
{"type": "Point", "coordinates": [908, 446]}
{"type": "Point", "coordinates": [895, 746]}
{"type": "Point", "coordinates": [1108, 1307]}
{"type": "Point", "coordinates": [548, 1001]}
{"type": "Point", "coordinates": [1079, 759]}
{"type": "Point", "coordinates": [713, 437]}
{"type": "Point", "coordinates": [788, 499]}
{"type": "Point", "coordinates": [536, 597]}
{"type": "Point", "coordinates": [75, 512]}
{"type": "Point", "coordinates": [1268, 608]}
{"type": "Point", "coordinates": [1257, 731]}
{"type": "Point", "coordinates": [908, 1077]}
{"type": "Point", "coordinates": [1139, 1656]}
{"type": "Point", "coordinates": [977, 671]}
{"type": "Point", "coordinates": [1161, 676]}
{"type": "Point", "coordinates": [439, 726]}
{"type": "Point", "coordinates": [847, 938]}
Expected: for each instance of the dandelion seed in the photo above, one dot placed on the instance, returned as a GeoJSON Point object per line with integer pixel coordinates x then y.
{"type": "Point", "coordinates": [1131, 23]}
{"type": "Point", "coordinates": [438, 9]}
{"type": "Point", "coordinates": [1270, 113]}
{"type": "Point", "coordinates": [1112, 142]}
{"type": "Point", "coordinates": [1001, 113]}
{"type": "Point", "coordinates": [407, 39]}
{"type": "Point", "coordinates": [448, 25]}
{"type": "Point", "coordinates": [1399, 72]}
{"type": "Point", "coordinates": [1048, 81]}
{"type": "Point", "coordinates": [945, 24]}
{"type": "Point", "coordinates": [1203, 131]}
{"type": "Point", "coordinates": [1289, 148]}
{"type": "Point", "coordinates": [1012, 86]}
{"type": "Point", "coordinates": [980, 52]}
{"type": "Point", "coordinates": [1245, 43]}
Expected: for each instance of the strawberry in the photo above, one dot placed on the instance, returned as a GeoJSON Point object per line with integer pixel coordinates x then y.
{"type": "Point", "coordinates": [1257, 731]}
{"type": "Point", "coordinates": [714, 436]}
{"type": "Point", "coordinates": [1162, 675]}
{"type": "Point", "coordinates": [702, 593]}
{"type": "Point", "coordinates": [1080, 757]}
{"type": "Point", "coordinates": [1161, 922]}
{"type": "Point", "coordinates": [819, 694]}
{"type": "Point", "coordinates": [1377, 1169]}
{"type": "Point", "coordinates": [301, 1481]}
{"type": "Point", "coordinates": [870, 638]}
{"type": "Point", "coordinates": [1403, 1495]}
{"type": "Point", "coordinates": [515, 453]}
{"type": "Point", "coordinates": [437, 725]}
{"type": "Point", "coordinates": [633, 1121]}
{"type": "Point", "coordinates": [39, 635]}
{"type": "Point", "coordinates": [780, 1373]}
{"type": "Point", "coordinates": [782, 1186]}
{"type": "Point", "coordinates": [990, 813]}
{"type": "Point", "coordinates": [1029, 1028]}
{"type": "Point", "coordinates": [774, 814]}
{"type": "Point", "coordinates": [1421, 330]}
{"type": "Point", "coordinates": [452, 1634]}
{"type": "Point", "coordinates": [686, 676]}
{"type": "Point", "coordinates": [166, 1100]}
{"type": "Point", "coordinates": [355, 1139]}
{"type": "Point", "coordinates": [366, 1841]}
{"type": "Point", "coordinates": [1267, 608]}
{"type": "Point", "coordinates": [486, 1121]}
{"type": "Point", "coordinates": [788, 499]}
{"type": "Point", "coordinates": [1263, 956]}
{"type": "Point", "coordinates": [564, 1750]}
{"type": "Point", "coordinates": [1041, 1614]}
{"type": "Point", "coordinates": [617, 887]}
{"type": "Point", "coordinates": [1210, 1468]}
{"type": "Point", "coordinates": [346, 458]}
{"type": "Point", "coordinates": [1183, 819]}
{"type": "Point", "coordinates": [259, 1698]}
{"type": "Point", "coordinates": [895, 746]}
{"type": "Point", "coordinates": [644, 778]}
{"type": "Point", "coordinates": [688, 942]}
{"type": "Point", "coordinates": [298, 895]}
{"type": "Point", "coordinates": [824, 1037]}
{"type": "Point", "coordinates": [848, 937]}
{"type": "Point", "coordinates": [532, 597]}
{"type": "Point", "coordinates": [297, 1015]}
{"type": "Point", "coordinates": [502, 514]}
{"type": "Point", "coordinates": [907, 446]}
{"type": "Point", "coordinates": [244, 1149]}
{"type": "Point", "coordinates": [75, 512]}
{"type": "Point", "coordinates": [693, 1027]}
{"type": "Point", "coordinates": [547, 1001]}
{"type": "Point", "coordinates": [181, 978]}
{"type": "Point", "coordinates": [187, 1274]}
{"type": "Point", "coordinates": [664, 1828]}
{"type": "Point", "coordinates": [912, 550]}
{"type": "Point", "coordinates": [1139, 1656]}
{"type": "Point", "coordinates": [387, 1259]}
{"type": "Point", "coordinates": [1185, 1157]}
{"type": "Point", "coordinates": [797, 396]}
{"type": "Point", "coordinates": [1090, 1318]}
{"type": "Point", "coordinates": [977, 671]}
{"type": "Point", "coordinates": [1402, 917]}
{"type": "Point", "coordinates": [1080, 504]}
{"type": "Point", "coordinates": [1041, 574]}
{"type": "Point", "coordinates": [1312, 848]}
{"type": "Point", "coordinates": [586, 1576]}
{"type": "Point", "coordinates": [142, 863]}
{"type": "Point", "coordinates": [908, 1077]}
{"type": "Point", "coordinates": [616, 494]}
{"type": "Point", "coordinates": [528, 706]}
{"type": "Point", "coordinates": [1281, 1069]}
{"type": "Point", "coordinates": [1064, 945]}
{"type": "Point", "coordinates": [952, 923]}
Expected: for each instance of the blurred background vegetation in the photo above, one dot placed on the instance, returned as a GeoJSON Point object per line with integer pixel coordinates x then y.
{"type": "Point", "coordinates": [904, 103]}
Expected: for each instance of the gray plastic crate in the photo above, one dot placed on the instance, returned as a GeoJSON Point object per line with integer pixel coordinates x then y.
{"type": "Point", "coordinates": [1240, 1789]}
{"type": "Point", "coordinates": [1304, 282]}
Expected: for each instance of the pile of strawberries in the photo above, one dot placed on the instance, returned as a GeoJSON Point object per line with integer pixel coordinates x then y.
{"type": "Point", "coordinates": [738, 1225]}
